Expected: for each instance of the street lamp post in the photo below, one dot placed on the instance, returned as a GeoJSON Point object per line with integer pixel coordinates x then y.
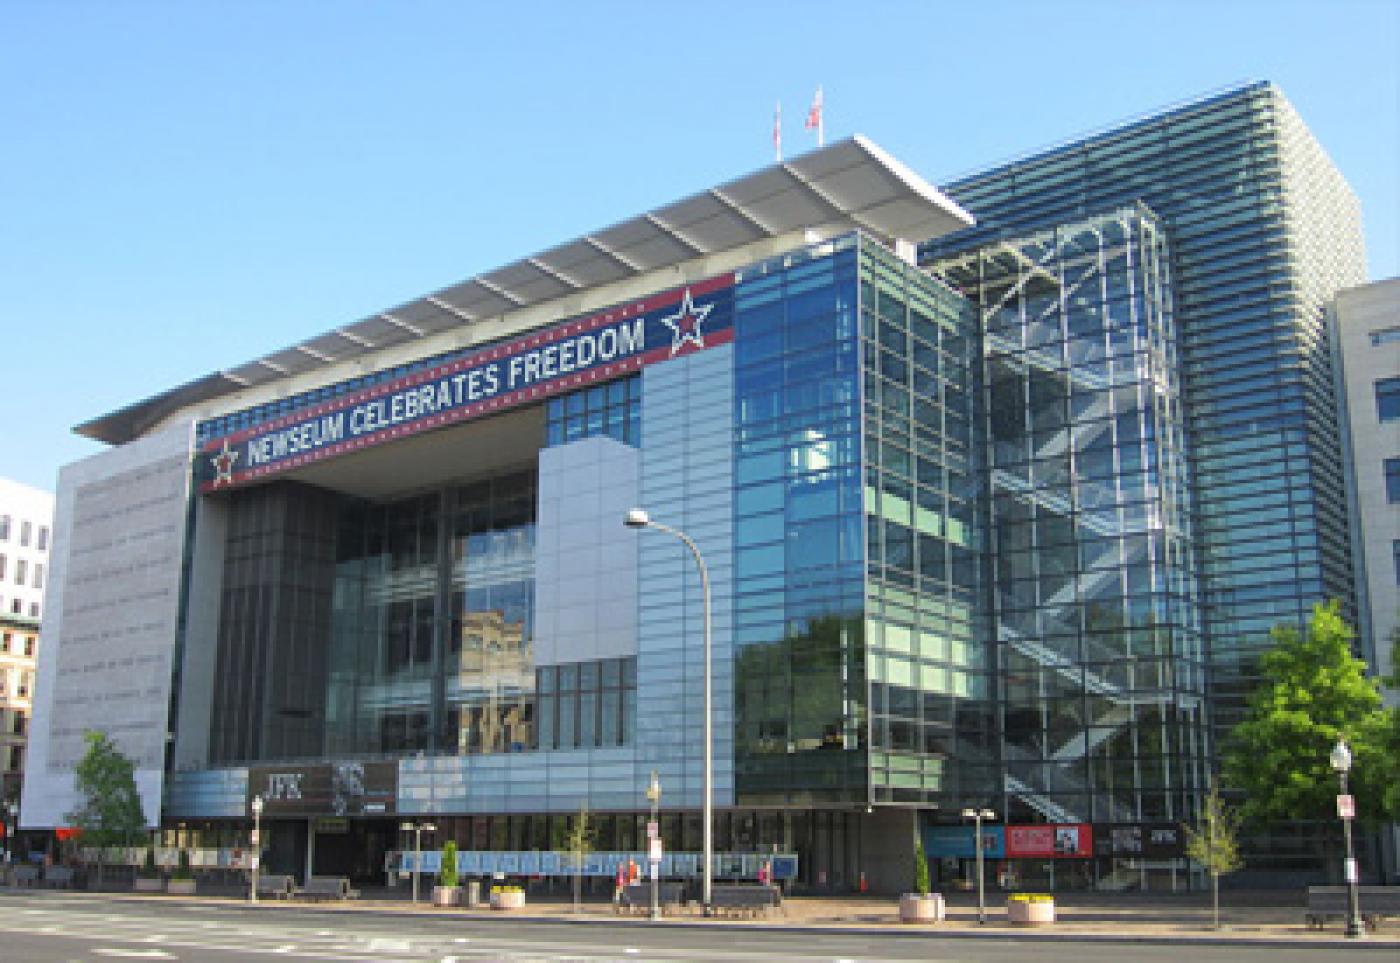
{"type": "Point", "coordinates": [977, 815]}
{"type": "Point", "coordinates": [654, 797]}
{"type": "Point", "coordinates": [257, 807]}
{"type": "Point", "coordinates": [638, 518]}
{"type": "Point", "coordinates": [417, 829]}
{"type": "Point", "coordinates": [1341, 762]}
{"type": "Point", "coordinates": [11, 827]}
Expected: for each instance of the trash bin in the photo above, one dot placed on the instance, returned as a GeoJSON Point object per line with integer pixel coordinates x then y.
{"type": "Point", "coordinates": [473, 892]}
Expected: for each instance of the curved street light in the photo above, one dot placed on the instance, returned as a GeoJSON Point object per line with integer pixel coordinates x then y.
{"type": "Point", "coordinates": [638, 518]}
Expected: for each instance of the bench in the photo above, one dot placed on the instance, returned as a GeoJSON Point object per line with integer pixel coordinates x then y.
{"type": "Point", "coordinates": [1376, 904]}
{"type": "Point", "coordinates": [637, 897]}
{"type": "Point", "coordinates": [327, 887]}
{"type": "Point", "coordinates": [59, 877]}
{"type": "Point", "coordinates": [276, 885]}
{"type": "Point", "coordinates": [746, 899]}
{"type": "Point", "coordinates": [26, 875]}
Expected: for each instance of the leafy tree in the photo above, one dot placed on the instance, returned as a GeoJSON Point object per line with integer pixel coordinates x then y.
{"type": "Point", "coordinates": [579, 841]}
{"type": "Point", "coordinates": [1213, 844]}
{"type": "Point", "coordinates": [921, 882]}
{"type": "Point", "coordinates": [1312, 692]}
{"type": "Point", "coordinates": [110, 814]}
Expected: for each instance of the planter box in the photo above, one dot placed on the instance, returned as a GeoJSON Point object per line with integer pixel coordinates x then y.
{"type": "Point", "coordinates": [915, 908]}
{"type": "Point", "coordinates": [447, 896]}
{"type": "Point", "coordinates": [149, 884]}
{"type": "Point", "coordinates": [180, 887]}
{"type": "Point", "coordinates": [1026, 913]}
{"type": "Point", "coordinates": [507, 901]}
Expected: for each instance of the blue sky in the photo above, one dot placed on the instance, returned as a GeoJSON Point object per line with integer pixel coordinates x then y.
{"type": "Point", "coordinates": [186, 186]}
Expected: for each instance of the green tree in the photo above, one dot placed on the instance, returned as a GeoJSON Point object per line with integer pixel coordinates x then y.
{"type": "Point", "coordinates": [1312, 691]}
{"type": "Point", "coordinates": [1213, 844]}
{"type": "Point", "coordinates": [579, 842]}
{"type": "Point", "coordinates": [110, 814]}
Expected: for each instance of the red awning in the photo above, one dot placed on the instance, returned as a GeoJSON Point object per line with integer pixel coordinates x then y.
{"type": "Point", "coordinates": [67, 832]}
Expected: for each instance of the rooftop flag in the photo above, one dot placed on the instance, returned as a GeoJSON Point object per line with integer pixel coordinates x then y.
{"type": "Point", "coordinates": [815, 120]}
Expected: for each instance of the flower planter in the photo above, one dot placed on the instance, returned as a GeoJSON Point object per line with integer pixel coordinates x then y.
{"type": "Point", "coordinates": [921, 908]}
{"type": "Point", "coordinates": [180, 887]}
{"type": "Point", "coordinates": [149, 884]}
{"type": "Point", "coordinates": [507, 899]}
{"type": "Point", "coordinates": [1030, 910]}
{"type": "Point", "coordinates": [447, 896]}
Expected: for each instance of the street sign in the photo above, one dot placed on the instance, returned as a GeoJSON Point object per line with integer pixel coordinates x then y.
{"type": "Point", "coordinates": [653, 830]}
{"type": "Point", "coordinates": [1349, 870]}
{"type": "Point", "coordinates": [654, 854]}
{"type": "Point", "coordinates": [1346, 807]}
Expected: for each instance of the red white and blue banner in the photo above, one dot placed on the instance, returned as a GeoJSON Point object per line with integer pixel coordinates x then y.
{"type": "Point", "coordinates": [569, 355]}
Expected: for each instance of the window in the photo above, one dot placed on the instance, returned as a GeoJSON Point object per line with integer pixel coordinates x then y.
{"type": "Point", "coordinates": [2, 566]}
{"type": "Point", "coordinates": [4, 528]}
{"type": "Point", "coordinates": [21, 570]}
{"type": "Point", "coordinates": [29, 646]}
{"type": "Point", "coordinates": [43, 544]}
{"type": "Point", "coordinates": [26, 531]}
{"type": "Point", "coordinates": [19, 723]}
{"type": "Point", "coordinates": [1388, 399]}
{"type": "Point", "coordinates": [16, 607]}
{"type": "Point", "coordinates": [5, 642]}
{"type": "Point", "coordinates": [1386, 336]}
{"type": "Point", "coordinates": [38, 575]}
{"type": "Point", "coordinates": [33, 610]}
{"type": "Point", "coordinates": [26, 680]}
{"type": "Point", "coordinates": [1392, 480]}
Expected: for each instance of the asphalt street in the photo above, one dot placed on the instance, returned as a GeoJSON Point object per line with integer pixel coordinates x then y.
{"type": "Point", "coordinates": [41, 927]}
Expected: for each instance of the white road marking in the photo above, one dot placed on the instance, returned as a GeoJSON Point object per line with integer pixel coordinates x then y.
{"type": "Point", "coordinates": [631, 950]}
{"type": "Point", "coordinates": [134, 954]}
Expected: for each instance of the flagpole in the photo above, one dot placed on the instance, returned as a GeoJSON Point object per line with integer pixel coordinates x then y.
{"type": "Point", "coordinates": [778, 133]}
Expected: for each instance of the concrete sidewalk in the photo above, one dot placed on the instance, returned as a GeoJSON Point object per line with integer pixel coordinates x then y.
{"type": "Point", "coordinates": [1253, 918]}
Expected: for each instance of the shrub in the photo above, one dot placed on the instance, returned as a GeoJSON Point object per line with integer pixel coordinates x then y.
{"type": "Point", "coordinates": [920, 869]}
{"type": "Point", "coordinates": [447, 872]}
{"type": "Point", "coordinates": [148, 867]}
{"type": "Point", "coordinates": [183, 870]}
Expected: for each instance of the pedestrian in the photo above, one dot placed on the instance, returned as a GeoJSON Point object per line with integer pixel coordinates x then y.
{"type": "Point", "coordinates": [765, 874]}
{"type": "Point", "coordinates": [633, 874]}
{"type": "Point", "coordinates": [620, 883]}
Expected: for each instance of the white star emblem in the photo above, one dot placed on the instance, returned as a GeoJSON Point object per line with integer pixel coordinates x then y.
{"type": "Point", "coordinates": [685, 323]}
{"type": "Point", "coordinates": [223, 465]}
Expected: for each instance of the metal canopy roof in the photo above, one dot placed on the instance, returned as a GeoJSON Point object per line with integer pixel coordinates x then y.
{"type": "Point", "coordinates": [849, 184]}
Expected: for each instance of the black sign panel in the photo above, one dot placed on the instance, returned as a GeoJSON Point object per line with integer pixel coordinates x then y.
{"type": "Point", "coordinates": [326, 789]}
{"type": "Point", "coordinates": [1145, 840]}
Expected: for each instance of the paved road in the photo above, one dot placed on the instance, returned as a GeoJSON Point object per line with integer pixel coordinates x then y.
{"type": "Point", "coordinates": [41, 927]}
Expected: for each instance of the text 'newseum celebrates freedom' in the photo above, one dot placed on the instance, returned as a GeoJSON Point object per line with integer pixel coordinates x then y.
{"type": "Point", "coordinates": [574, 353]}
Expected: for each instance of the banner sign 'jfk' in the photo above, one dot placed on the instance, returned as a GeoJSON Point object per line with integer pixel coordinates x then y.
{"type": "Point", "coordinates": [599, 347]}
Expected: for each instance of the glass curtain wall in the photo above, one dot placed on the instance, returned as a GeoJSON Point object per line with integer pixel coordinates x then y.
{"type": "Point", "coordinates": [799, 691]}
{"type": "Point", "coordinates": [1096, 606]}
{"type": "Point", "coordinates": [433, 622]}
{"type": "Point", "coordinates": [927, 663]}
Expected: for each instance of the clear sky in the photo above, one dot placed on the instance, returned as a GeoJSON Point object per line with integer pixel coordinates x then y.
{"type": "Point", "coordinates": [185, 186]}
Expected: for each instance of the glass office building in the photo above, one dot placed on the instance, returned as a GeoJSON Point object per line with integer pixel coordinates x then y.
{"type": "Point", "coordinates": [994, 505]}
{"type": "Point", "coordinates": [1262, 230]}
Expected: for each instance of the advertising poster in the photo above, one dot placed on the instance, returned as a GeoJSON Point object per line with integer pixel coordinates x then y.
{"type": "Point", "coordinates": [1050, 841]}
